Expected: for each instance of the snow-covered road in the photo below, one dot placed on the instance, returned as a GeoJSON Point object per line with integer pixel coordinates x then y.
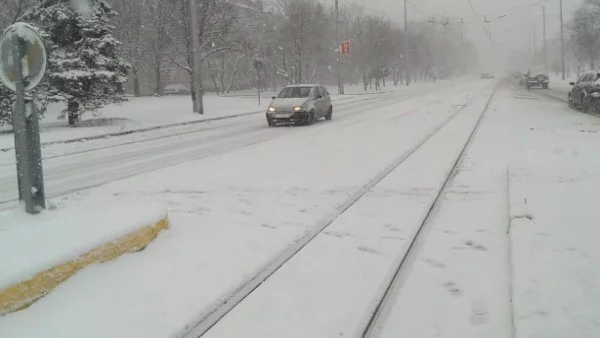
{"type": "Point", "coordinates": [71, 167]}
{"type": "Point", "coordinates": [393, 220]}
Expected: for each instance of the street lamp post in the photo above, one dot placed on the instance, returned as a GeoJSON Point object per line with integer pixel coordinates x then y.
{"type": "Point", "coordinates": [562, 42]}
{"type": "Point", "coordinates": [340, 79]}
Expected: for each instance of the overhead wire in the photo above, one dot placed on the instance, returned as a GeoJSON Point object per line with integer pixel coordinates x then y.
{"type": "Point", "coordinates": [477, 19]}
{"type": "Point", "coordinates": [516, 8]}
{"type": "Point", "coordinates": [418, 9]}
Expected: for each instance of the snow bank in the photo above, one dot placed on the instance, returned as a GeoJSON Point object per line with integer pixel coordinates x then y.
{"type": "Point", "coordinates": [32, 244]}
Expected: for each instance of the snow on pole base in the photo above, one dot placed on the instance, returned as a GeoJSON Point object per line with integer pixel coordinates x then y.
{"type": "Point", "coordinates": [42, 252]}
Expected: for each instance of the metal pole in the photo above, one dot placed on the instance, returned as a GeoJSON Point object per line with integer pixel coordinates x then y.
{"type": "Point", "coordinates": [27, 143]}
{"type": "Point", "coordinates": [562, 41]}
{"type": "Point", "coordinates": [545, 41]}
{"type": "Point", "coordinates": [406, 44]}
{"type": "Point", "coordinates": [340, 79]}
{"type": "Point", "coordinates": [195, 58]}
{"type": "Point", "coordinates": [258, 84]}
{"type": "Point", "coordinates": [531, 47]}
{"type": "Point", "coordinates": [535, 45]}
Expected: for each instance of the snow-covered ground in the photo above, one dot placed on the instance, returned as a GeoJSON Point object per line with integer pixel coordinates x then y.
{"type": "Point", "coordinates": [475, 274]}
{"type": "Point", "coordinates": [72, 166]}
{"type": "Point", "coordinates": [150, 112]}
{"type": "Point", "coordinates": [35, 244]}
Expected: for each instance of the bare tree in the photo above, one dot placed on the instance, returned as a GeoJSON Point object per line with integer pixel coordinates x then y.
{"type": "Point", "coordinates": [132, 32]}
{"type": "Point", "coordinates": [215, 23]}
{"type": "Point", "coordinates": [585, 33]}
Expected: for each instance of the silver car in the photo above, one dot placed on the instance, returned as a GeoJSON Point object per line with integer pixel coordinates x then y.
{"type": "Point", "coordinates": [300, 104]}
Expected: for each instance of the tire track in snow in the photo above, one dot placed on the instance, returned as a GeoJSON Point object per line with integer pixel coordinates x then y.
{"type": "Point", "coordinates": [384, 301]}
{"type": "Point", "coordinates": [219, 310]}
{"type": "Point", "coordinates": [82, 173]}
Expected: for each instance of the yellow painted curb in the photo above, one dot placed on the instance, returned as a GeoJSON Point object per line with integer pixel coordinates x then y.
{"type": "Point", "coordinates": [25, 293]}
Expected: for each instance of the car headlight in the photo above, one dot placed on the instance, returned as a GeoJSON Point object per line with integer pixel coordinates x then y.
{"type": "Point", "coordinates": [297, 108]}
{"type": "Point", "coordinates": [271, 109]}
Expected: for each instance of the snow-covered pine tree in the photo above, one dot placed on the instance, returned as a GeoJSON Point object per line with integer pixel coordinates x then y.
{"type": "Point", "coordinates": [84, 68]}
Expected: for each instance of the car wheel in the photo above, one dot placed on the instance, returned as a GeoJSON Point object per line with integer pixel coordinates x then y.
{"type": "Point", "coordinates": [596, 106]}
{"type": "Point", "coordinates": [271, 123]}
{"type": "Point", "coordinates": [586, 105]}
{"type": "Point", "coordinates": [570, 101]}
{"type": "Point", "coordinates": [312, 118]}
{"type": "Point", "coordinates": [329, 115]}
{"type": "Point", "coordinates": [308, 119]}
{"type": "Point", "coordinates": [545, 86]}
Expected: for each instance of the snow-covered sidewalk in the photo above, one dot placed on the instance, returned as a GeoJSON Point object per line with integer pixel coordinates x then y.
{"type": "Point", "coordinates": [533, 162]}
{"type": "Point", "coordinates": [137, 113]}
{"type": "Point", "coordinates": [554, 184]}
{"type": "Point", "coordinates": [42, 251]}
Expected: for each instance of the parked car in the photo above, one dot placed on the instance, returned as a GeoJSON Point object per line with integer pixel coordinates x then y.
{"type": "Point", "coordinates": [176, 89]}
{"type": "Point", "coordinates": [537, 77]}
{"type": "Point", "coordinates": [517, 75]}
{"type": "Point", "coordinates": [300, 104]}
{"type": "Point", "coordinates": [487, 76]}
{"type": "Point", "coordinates": [585, 93]}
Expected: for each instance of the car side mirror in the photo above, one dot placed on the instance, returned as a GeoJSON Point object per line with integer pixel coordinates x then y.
{"type": "Point", "coordinates": [572, 83]}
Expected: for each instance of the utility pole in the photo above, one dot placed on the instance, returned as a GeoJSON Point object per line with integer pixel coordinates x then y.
{"type": "Point", "coordinates": [562, 42]}
{"type": "Point", "coordinates": [406, 44]}
{"type": "Point", "coordinates": [338, 42]}
{"type": "Point", "coordinates": [535, 45]}
{"type": "Point", "coordinates": [195, 59]}
{"type": "Point", "coordinates": [531, 60]}
{"type": "Point", "coordinates": [545, 41]}
{"type": "Point", "coordinates": [489, 29]}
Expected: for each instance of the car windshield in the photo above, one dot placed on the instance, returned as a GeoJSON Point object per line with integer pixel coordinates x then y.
{"type": "Point", "coordinates": [294, 92]}
{"type": "Point", "coordinates": [538, 70]}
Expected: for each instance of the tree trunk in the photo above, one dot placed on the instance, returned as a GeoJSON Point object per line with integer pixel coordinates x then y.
{"type": "Point", "coordinates": [192, 88]}
{"type": "Point", "coordinates": [274, 76]}
{"type": "Point", "coordinates": [221, 73]}
{"type": "Point", "coordinates": [213, 76]}
{"type": "Point", "coordinates": [73, 112]}
{"type": "Point", "coordinates": [136, 82]}
{"type": "Point", "coordinates": [233, 74]}
{"type": "Point", "coordinates": [159, 88]}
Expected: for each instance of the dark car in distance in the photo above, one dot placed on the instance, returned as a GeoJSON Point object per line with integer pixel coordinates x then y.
{"type": "Point", "coordinates": [537, 77]}
{"type": "Point", "coordinates": [585, 93]}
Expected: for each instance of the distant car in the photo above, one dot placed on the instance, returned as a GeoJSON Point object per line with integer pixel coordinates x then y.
{"type": "Point", "coordinates": [517, 75]}
{"type": "Point", "coordinates": [537, 77]}
{"type": "Point", "coordinates": [176, 89]}
{"type": "Point", "coordinates": [300, 104]}
{"type": "Point", "coordinates": [585, 93]}
{"type": "Point", "coordinates": [487, 76]}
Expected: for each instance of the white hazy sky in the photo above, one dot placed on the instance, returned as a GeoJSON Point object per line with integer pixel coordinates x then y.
{"type": "Point", "coordinates": [509, 32]}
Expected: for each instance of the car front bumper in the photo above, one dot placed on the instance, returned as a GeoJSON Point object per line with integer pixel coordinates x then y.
{"type": "Point", "coordinates": [287, 117]}
{"type": "Point", "coordinates": [536, 81]}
